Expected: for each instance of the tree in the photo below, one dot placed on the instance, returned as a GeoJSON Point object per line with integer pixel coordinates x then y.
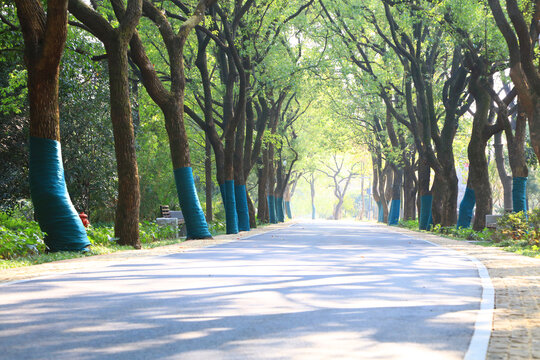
{"type": "Point", "coordinates": [520, 38]}
{"type": "Point", "coordinates": [341, 181]}
{"type": "Point", "coordinates": [44, 37]}
{"type": "Point", "coordinates": [116, 42]}
{"type": "Point", "coordinates": [171, 103]}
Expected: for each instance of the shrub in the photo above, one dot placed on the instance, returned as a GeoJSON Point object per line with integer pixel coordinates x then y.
{"type": "Point", "coordinates": [19, 237]}
{"type": "Point", "coordinates": [518, 229]}
{"type": "Point", "coordinates": [100, 234]}
{"type": "Point", "coordinates": [103, 233]}
{"type": "Point", "coordinates": [409, 224]}
{"type": "Point", "coordinates": [216, 227]}
{"type": "Point", "coordinates": [150, 232]}
{"type": "Point", "coordinates": [464, 233]}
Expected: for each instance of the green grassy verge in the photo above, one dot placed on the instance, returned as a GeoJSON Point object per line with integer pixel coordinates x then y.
{"type": "Point", "coordinates": [21, 241]}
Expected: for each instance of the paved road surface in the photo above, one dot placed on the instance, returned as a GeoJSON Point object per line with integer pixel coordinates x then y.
{"type": "Point", "coordinates": [324, 290]}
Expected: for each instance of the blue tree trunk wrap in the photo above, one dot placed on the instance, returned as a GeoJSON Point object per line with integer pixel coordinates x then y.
{"type": "Point", "coordinates": [228, 196]}
{"type": "Point", "coordinates": [272, 209]}
{"type": "Point", "coordinates": [242, 207]}
{"type": "Point", "coordinates": [196, 226]}
{"type": "Point", "coordinates": [519, 194]}
{"type": "Point", "coordinates": [288, 209]}
{"type": "Point", "coordinates": [466, 209]}
{"type": "Point", "coordinates": [280, 215]}
{"type": "Point", "coordinates": [393, 217]}
{"type": "Point", "coordinates": [380, 212]}
{"type": "Point", "coordinates": [54, 210]}
{"type": "Point", "coordinates": [313, 214]}
{"type": "Point", "coordinates": [425, 220]}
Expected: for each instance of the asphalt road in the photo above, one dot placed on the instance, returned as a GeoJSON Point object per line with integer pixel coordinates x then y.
{"type": "Point", "coordinates": [324, 290]}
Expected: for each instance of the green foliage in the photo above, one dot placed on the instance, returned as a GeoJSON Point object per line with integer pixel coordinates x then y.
{"type": "Point", "coordinates": [516, 232]}
{"type": "Point", "coordinates": [519, 229]}
{"type": "Point", "coordinates": [409, 224]}
{"type": "Point", "coordinates": [216, 227]}
{"type": "Point", "coordinates": [150, 232]}
{"type": "Point", "coordinates": [464, 233]}
{"type": "Point", "coordinates": [19, 237]}
{"type": "Point", "coordinates": [103, 234]}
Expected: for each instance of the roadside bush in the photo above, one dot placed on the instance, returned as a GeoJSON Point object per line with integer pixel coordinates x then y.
{"type": "Point", "coordinates": [100, 234]}
{"type": "Point", "coordinates": [19, 237]}
{"type": "Point", "coordinates": [150, 232]}
{"type": "Point", "coordinates": [464, 233]}
{"type": "Point", "coordinates": [103, 233]}
{"type": "Point", "coordinates": [216, 227]}
{"type": "Point", "coordinates": [520, 228]}
{"type": "Point", "coordinates": [409, 224]}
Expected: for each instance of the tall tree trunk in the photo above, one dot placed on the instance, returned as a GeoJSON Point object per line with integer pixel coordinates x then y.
{"type": "Point", "coordinates": [208, 178]}
{"type": "Point", "coordinates": [534, 125]}
{"type": "Point", "coordinates": [478, 167]}
{"type": "Point", "coordinates": [126, 226]}
{"type": "Point", "coordinates": [312, 193]}
{"type": "Point", "coordinates": [409, 193]}
{"type": "Point", "coordinates": [116, 41]}
{"type": "Point", "coordinates": [262, 210]}
{"type": "Point", "coordinates": [445, 191]}
{"type": "Point", "coordinates": [518, 162]}
{"type": "Point", "coordinates": [338, 209]}
{"type": "Point", "coordinates": [44, 39]}
{"type": "Point", "coordinates": [503, 175]}
{"type": "Point", "coordinates": [424, 195]}
{"type": "Point", "coordinates": [395, 206]}
{"type": "Point", "coordinates": [387, 191]}
{"type": "Point", "coordinates": [361, 214]}
{"type": "Point", "coordinates": [252, 214]}
{"type": "Point", "coordinates": [376, 161]}
{"type": "Point", "coordinates": [242, 207]}
{"type": "Point", "coordinates": [271, 185]}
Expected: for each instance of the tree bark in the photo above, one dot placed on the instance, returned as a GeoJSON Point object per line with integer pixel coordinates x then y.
{"type": "Point", "coordinates": [127, 211]}
{"type": "Point", "coordinates": [478, 167]}
{"type": "Point", "coordinates": [312, 194]}
{"type": "Point", "coordinates": [387, 191]}
{"type": "Point", "coordinates": [409, 193]}
{"type": "Point", "coordinates": [208, 178]}
{"type": "Point", "coordinates": [262, 211]}
{"type": "Point", "coordinates": [503, 175]}
{"type": "Point", "coordinates": [44, 41]}
{"type": "Point", "coordinates": [116, 43]}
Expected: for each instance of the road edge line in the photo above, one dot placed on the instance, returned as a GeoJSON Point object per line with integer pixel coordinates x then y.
{"type": "Point", "coordinates": [478, 347]}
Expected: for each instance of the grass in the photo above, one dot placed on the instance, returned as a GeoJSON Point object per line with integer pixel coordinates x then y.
{"type": "Point", "coordinates": [97, 249]}
{"type": "Point", "coordinates": [21, 240]}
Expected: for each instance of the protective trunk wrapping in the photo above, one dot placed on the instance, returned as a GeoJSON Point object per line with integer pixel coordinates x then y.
{"type": "Point", "coordinates": [54, 211]}
{"type": "Point", "coordinates": [228, 196]}
{"type": "Point", "coordinates": [393, 217]}
{"type": "Point", "coordinates": [196, 226]}
{"type": "Point", "coordinates": [381, 212]}
{"type": "Point", "coordinates": [288, 209]}
{"type": "Point", "coordinates": [519, 194]}
{"type": "Point", "coordinates": [425, 220]}
{"type": "Point", "coordinates": [242, 207]}
{"type": "Point", "coordinates": [272, 209]}
{"type": "Point", "coordinates": [279, 210]}
{"type": "Point", "coordinates": [466, 209]}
